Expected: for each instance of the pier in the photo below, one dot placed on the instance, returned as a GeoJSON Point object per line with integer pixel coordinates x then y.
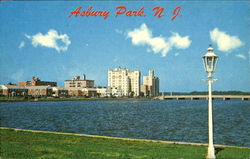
{"type": "Point", "coordinates": [197, 97]}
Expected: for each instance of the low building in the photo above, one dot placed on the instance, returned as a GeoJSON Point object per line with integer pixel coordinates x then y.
{"type": "Point", "coordinates": [77, 82]}
{"type": "Point", "coordinates": [86, 92]}
{"type": "Point", "coordinates": [102, 91]}
{"type": "Point", "coordinates": [38, 91]}
{"type": "Point", "coordinates": [13, 90]}
{"type": "Point", "coordinates": [74, 91]}
{"type": "Point", "coordinates": [114, 92]}
{"type": "Point", "coordinates": [89, 92]}
{"type": "Point", "coordinates": [35, 81]}
{"type": "Point", "coordinates": [59, 92]}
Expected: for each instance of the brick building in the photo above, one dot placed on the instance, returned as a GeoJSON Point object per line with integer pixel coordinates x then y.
{"type": "Point", "coordinates": [38, 91]}
{"type": "Point", "coordinates": [35, 81]}
{"type": "Point", "coordinates": [74, 91]}
{"type": "Point", "coordinates": [87, 92]}
{"type": "Point", "coordinates": [13, 90]}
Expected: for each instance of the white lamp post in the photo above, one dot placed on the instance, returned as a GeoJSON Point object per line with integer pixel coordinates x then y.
{"type": "Point", "coordinates": [210, 60]}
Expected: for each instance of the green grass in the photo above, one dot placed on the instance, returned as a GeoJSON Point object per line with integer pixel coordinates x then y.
{"type": "Point", "coordinates": [26, 145]}
{"type": "Point", "coordinates": [4, 98]}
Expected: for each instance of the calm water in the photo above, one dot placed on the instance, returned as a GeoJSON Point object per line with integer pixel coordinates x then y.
{"type": "Point", "coordinates": [172, 120]}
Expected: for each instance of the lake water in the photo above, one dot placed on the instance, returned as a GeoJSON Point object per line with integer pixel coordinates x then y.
{"type": "Point", "coordinates": [171, 120]}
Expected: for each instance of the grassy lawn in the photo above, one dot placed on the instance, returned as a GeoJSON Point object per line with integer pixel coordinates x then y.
{"type": "Point", "coordinates": [24, 145]}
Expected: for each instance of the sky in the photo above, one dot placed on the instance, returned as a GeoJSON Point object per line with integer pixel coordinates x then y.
{"type": "Point", "coordinates": [44, 39]}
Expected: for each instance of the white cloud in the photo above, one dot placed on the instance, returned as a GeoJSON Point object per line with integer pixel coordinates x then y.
{"type": "Point", "coordinates": [21, 45]}
{"type": "Point", "coordinates": [18, 75]}
{"type": "Point", "coordinates": [241, 56]}
{"type": "Point", "coordinates": [143, 36]}
{"type": "Point", "coordinates": [180, 42]}
{"type": "Point", "coordinates": [51, 40]}
{"type": "Point", "coordinates": [224, 41]}
{"type": "Point", "coordinates": [159, 44]}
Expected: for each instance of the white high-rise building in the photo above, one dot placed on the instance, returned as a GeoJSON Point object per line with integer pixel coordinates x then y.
{"type": "Point", "coordinates": [135, 77]}
{"type": "Point", "coordinates": [128, 83]}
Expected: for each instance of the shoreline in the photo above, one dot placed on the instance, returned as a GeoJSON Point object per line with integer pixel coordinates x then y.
{"type": "Point", "coordinates": [121, 138]}
{"type": "Point", "coordinates": [75, 99]}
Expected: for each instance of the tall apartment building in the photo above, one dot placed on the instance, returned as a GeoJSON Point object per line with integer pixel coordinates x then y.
{"type": "Point", "coordinates": [126, 82]}
{"type": "Point", "coordinates": [135, 78]}
{"type": "Point", "coordinates": [150, 85]}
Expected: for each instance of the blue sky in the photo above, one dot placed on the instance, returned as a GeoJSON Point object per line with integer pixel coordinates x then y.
{"type": "Point", "coordinates": [39, 39]}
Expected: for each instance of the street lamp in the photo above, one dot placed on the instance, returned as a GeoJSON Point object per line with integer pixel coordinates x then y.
{"type": "Point", "coordinates": [210, 60]}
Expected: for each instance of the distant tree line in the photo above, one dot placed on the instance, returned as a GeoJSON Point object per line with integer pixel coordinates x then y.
{"type": "Point", "coordinates": [205, 93]}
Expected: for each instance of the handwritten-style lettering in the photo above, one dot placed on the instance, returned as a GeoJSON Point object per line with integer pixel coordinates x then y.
{"type": "Point", "coordinates": [89, 12]}
{"type": "Point", "coordinates": [123, 10]}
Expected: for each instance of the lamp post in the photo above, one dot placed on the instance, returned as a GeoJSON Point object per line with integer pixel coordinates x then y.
{"type": "Point", "coordinates": [210, 60]}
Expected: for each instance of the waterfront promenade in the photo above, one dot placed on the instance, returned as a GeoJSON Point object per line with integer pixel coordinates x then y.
{"type": "Point", "coordinates": [197, 97]}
